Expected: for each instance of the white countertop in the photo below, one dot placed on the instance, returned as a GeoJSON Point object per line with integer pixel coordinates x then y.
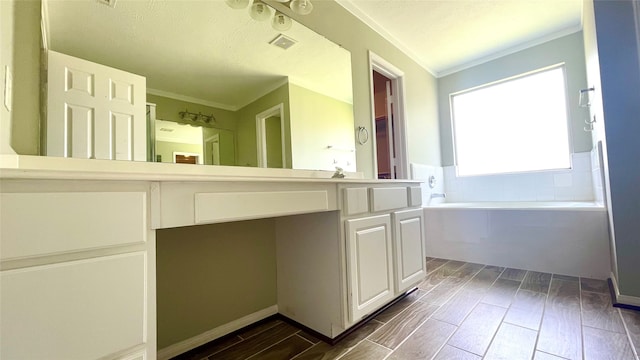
{"type": "Point", "coordinates": [43, 167]}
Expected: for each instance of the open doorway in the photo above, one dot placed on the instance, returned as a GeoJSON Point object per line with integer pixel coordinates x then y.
{"type": "Point", "coordinates": [388, 121]}
{"type": "Point", "coordinates": [270, 138]}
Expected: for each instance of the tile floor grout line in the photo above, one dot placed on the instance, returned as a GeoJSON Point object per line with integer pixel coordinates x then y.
{"type": "Point", "coordinates": [303, 338]}
{"type": "Point", "coordinates": [544, 310]}
{"type": "Point", "coordinates": [410, 334]}
{"type": "Point", "coordinates": [628, 333]}
{"type": "Point", "coordinates": [307, 349]}
{"type": "Point", "coordinates": [270, 346]}
{"type": "Point", "coordinates": [224, 348]}
{"type": "Point", "coordinates": [584, 355]}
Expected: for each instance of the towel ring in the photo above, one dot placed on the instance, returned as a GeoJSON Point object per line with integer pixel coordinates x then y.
{"type": "Point", "coordinates": [363, 135]}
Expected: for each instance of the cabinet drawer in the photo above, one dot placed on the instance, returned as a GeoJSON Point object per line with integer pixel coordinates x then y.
{"type": "Point", "coordinates": [232, 206]}
{"type": "Point", "coordinates": [36, 224]}
{"type": "Point", "coordinates": [59, 311]}
{"type": "Point", "coordinates": [356, 201]}
{"type": "Point", "coordinates": [388, 198]}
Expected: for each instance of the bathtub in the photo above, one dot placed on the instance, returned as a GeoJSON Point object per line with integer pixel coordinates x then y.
{"type": "Point", "coordinates": [568, 238]}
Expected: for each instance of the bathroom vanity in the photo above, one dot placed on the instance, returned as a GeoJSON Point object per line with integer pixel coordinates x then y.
{"type": "Point", "coordinates": [78, 247]}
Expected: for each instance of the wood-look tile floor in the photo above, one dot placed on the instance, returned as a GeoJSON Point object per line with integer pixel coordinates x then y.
{"type": "Point", "coordinates": [464, 311]}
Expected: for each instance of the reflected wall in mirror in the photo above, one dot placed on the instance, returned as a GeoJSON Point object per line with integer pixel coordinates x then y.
{"type": "Point", "coordinates": [204, 57]}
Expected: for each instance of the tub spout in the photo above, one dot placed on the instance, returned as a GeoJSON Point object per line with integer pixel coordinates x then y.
{"type": "Point", "coordinates": [434, 195]}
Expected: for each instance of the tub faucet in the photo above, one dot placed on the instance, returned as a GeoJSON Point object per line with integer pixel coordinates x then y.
{"type": "Point", "coordinates": [434, 195]}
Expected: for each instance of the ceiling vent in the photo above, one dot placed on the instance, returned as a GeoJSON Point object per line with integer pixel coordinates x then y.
{"type": "Point", "coordinates": [283, 41]}
{"type": "Point", "coordinates": [111, 3]}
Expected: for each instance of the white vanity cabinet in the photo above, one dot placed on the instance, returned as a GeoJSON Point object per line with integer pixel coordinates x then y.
{"type": "Point", "coordinates": [384, 238]}
{"type": "Point", "coordinates": [336, 268]}
{"type": "Point", "coordinates": [77, 270]}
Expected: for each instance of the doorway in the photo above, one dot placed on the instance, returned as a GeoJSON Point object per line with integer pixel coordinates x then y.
{"type": "Point", "coordinates": [270, 138]}
{"type": "Point", "coordinates": [388, 121]}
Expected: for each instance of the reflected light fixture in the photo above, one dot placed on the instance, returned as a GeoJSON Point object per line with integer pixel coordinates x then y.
{"type": "Point", "coordinates": [237, 4]}
{"type": "Point", "coordinates": [281, 22]}
{"type": "Point", "coordinates": [302, 7]}
{"type": "Point", "coordinates": [199, 117]}
{"type": "Point", "coordinates": [260, 11]}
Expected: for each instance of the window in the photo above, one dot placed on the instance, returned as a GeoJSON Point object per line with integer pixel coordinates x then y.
{"type": "Point", "coordinates": [514, 125]}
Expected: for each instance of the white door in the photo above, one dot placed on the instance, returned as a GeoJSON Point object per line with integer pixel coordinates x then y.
{"type": "Point", "coordinates": [369, 264]}
{"type": "Point", "coordinates": [408, 245]}
{"type": "Point", "coordinates": [94, 111]}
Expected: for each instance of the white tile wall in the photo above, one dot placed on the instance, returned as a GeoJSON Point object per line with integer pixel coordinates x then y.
{"type": "Point", "coordinates": [575, 184]}
{"type": "Point", "coordinates": [596, 176]}
{"type": "Point", "coordinates": [423, 172]}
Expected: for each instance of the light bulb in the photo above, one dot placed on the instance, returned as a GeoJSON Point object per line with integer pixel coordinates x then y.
{"type": "Point", "coordinates": [260, 11]}
{"type": "Point", "coordinates": [281, 22]}
{"type": "Point", "coordinates": [302, 7]}
{"type": "Point", "coordinates": [237, 4]}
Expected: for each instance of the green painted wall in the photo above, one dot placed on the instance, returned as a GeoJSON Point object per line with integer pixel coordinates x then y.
{"type": "Point", "coordinates": [210, 275]}
{"type": "Point", "coordinates": [568, 49]}
{"type": "Point", "coordinates": [273, 131]}
{"type": "Point", "coordinates": [6, 59]}
{"type": "Point", "coordinates": [21, 25]}
{"type": "Point", "coordinates": [227, 148]}
{"type": "Point", "coordinates": [168, 109]}
{"type": "Point", "coordinates": [318, 122]}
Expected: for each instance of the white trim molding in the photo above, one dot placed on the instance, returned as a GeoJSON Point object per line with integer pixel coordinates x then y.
{"type": "Point", "coordinates": [623, 299]}
{"type": "Point", "coordinates": [192, 343]}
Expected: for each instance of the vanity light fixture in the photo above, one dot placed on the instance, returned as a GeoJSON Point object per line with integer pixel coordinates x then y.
{"type": "Point", "coordinates": [260, 11]}
{"type": "Point", "coordinates": [199, 117]}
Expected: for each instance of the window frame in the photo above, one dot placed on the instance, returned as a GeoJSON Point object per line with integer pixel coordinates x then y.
{"type": "Point", "coordinates": [568, 120]}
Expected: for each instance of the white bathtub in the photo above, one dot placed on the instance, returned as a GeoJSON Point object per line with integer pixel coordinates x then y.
{"type": "Point", "coordinates": [568, 238]}
{"type": "Point", "coordinates": [525, 205]}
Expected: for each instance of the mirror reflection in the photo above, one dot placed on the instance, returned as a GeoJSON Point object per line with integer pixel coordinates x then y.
{"type": "Point", "coordinates": [269, 106]}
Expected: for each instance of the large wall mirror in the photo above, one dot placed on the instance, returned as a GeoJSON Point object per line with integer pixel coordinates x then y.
{"type": "Point", "coordinates": [211, 73]}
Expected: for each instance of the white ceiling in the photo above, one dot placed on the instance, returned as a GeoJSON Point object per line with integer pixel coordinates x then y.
{"type": "Point", "coordinates": [200, 50]}
{"type": "Point", "coordinates": [445, 36]}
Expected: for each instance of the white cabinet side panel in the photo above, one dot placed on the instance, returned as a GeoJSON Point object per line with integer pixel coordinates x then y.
{"type": "Point", "coordinates": [84, 309]}
{"type": "Point", "coordinates": [35, 224]}
{"type": "Point", "coordinates": [309, 270]}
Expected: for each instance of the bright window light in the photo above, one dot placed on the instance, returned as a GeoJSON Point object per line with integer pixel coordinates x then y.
{"type": "Point", "coordinates": [515, 125]}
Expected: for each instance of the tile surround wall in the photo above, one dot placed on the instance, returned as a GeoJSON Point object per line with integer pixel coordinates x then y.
{"type": "Point", "coordinates": [597, 174]}
{"type": "Point", "coordinates": [576, 184]}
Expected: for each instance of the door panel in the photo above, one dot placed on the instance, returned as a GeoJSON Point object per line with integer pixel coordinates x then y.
{"type": "Point", "coordinates": [94, 111]}
{"type": "Point", "coordinates": [369, 265]}
{"type": "Point", "coordinates": [409, 248]}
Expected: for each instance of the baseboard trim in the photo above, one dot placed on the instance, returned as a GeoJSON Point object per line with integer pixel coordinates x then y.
{"type": "Point", "coordinates": [619, 300]}
{"type": "Point", "coordinates": [207, 336]}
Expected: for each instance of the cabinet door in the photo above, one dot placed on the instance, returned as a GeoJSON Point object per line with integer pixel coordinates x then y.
{"type": "Point", "coordinates": [408, 248]}
{"type": "Point", "coordinates": [369, 264]}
